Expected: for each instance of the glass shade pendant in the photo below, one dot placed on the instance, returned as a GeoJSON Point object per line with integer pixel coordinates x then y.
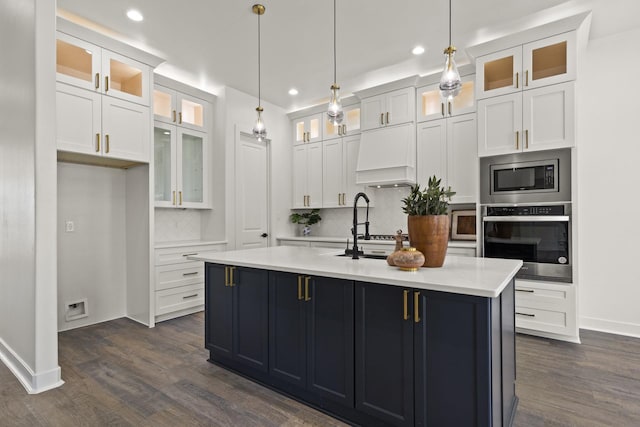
{"type": "Point", "coordinates": [334, 109]}
{"type": "Point", "coordinates": [450, 83]}
{"type": "Point", "coordinates": [259, 129]}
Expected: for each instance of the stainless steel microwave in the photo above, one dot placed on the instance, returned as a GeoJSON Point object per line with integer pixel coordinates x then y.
{"type": "Point", "coordinates": [537, 177]}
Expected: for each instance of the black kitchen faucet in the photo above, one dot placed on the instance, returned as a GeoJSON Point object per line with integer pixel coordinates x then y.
{"type": "Point", "coordinates": [354, 230]}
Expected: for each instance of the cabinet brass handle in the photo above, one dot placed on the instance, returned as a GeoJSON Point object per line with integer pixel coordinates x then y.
{"type": "Point", "coordinates": [517, 80]}
{"type": "Point", "coordinates": [308, 200]}
{"type": "Point", "coordinates": [97, 83]}
{"type": "Point", "coordinates": [525, 290]}
{"type": "Point", "coordinates": [174, 198]}
{"type": "Point", "coordinates": [306, 288]}
{"type": "Point", "coordinates": [416, 306]}
{"type": "Point", "coordinates": [231, 281]}
{"type": "Point", "coordinates": [180, 197]}
{"type": "Point", "coordinates": [226, 276]}
{"type": "Point", "coordinates": [526, 78]}
{"type": "Point", "coordinates": [449, 108]}
{"type": "Point", "coordinates": [308, 136]}
{"type": "Point", "coordinates": [517, 139]}
{"type": "Point", "coordinates": [97, 142]}
{"type": "Point", "coordinates": [174, 116]}
{"type": "Point", "coordinates": [442, 108]}
{"type": "Point", "coordinates": [190, 296]}
{"type": "Point", "coordinates": [405, 308]}
{"type": "Point", "coordinates": [387, 117]}
{"type": "Point", "coordinates": [382, 119]}
{"type": "Point", "coordinates": [525, 314]}
{"type": "Point", "coordinates": [526, 138]}
{"type": "Point", "coordinates": [106, 83]}
{"type": "Point", "coordinates": [106, 142]}
{"type": "Point", "coordinates": [193, 253]}
{"type": "Point", "coordinates": [344, 129]}
{"type": "Point", "coordinates": [193, 273]}
{"type": "Point", "coordinates": [180, 118]}
{"type": "Point", "coordinates": [300, 288]}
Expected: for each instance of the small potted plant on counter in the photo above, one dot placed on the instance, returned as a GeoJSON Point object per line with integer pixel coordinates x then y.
{"type": "Point", "coordinates": [428, 220]}
{"type": "Point", "coordinates": [306, 219]}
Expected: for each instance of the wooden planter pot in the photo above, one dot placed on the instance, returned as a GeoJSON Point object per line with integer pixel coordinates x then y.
{"type": "Point", "coordinates": [430, 234]}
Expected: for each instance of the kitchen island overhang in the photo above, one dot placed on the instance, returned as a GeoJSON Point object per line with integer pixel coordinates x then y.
{"type": "Point", "coordinates": [366, 342]}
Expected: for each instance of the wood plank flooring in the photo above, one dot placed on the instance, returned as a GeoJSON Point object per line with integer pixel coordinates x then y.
{"type": "Point", "coordinates": [120, 373]}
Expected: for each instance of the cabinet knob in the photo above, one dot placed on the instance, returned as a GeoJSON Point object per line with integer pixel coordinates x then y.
{"type": "Point", "coordinates": [264, 235]}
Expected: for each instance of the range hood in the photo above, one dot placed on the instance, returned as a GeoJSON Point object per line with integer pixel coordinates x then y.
{"type": "Point", "coordinates": [387, 157]}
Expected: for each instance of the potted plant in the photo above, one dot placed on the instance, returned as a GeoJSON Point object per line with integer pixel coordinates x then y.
{"type": "Point", "coordinates": [306, 219]}
{"type": "Point", "coordinates": [428, 221]}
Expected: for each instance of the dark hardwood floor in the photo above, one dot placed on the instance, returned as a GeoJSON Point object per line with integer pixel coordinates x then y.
{"type": "Point", "coordinates": [120, 373]}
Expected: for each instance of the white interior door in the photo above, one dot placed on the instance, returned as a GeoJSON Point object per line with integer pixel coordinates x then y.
{"type": "Point", "coordinates": [252, 192]}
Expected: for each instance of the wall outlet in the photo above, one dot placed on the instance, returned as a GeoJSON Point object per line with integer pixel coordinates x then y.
{"type": "Point", "coordinates": [69, 226]}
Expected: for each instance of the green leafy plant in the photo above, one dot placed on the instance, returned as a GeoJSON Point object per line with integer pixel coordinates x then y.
{"type": "Point", "coordinates": [308, 218]}
{"type": "Point", "coordinates": [434, 200]}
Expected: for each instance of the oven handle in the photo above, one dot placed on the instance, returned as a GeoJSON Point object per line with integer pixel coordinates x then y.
{"type": "Point", "coordinates": [532, 218]}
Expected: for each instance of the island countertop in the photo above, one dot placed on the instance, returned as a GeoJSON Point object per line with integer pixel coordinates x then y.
{"type": "Point", "coordinates": [484, 277]}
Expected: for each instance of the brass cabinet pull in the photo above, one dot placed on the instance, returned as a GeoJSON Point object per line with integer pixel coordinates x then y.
{"type": "Point", "coordinates": [517, 140]}
{"type": "Point", "coordinates": [190, 296]}
{"type": "Point", "coordinates": [299, 288]}
{"type": "Point", "coordinates": [405, 308]}
{"type": "Point", "coordinates": [416, 306]}
{"type": "Point", "coordinates": [442, 108]}
{"type": "Point", "coordinates": [193, 273]}
{"type": "Point", "coordinates": [525, 314]}
{"type": "Point", "coordinates": [106, 143]}
{"type": "Point", "coordinates": [180, 117]}
{"type": "Point", "coordinates": [231, 281]}
{"type": "Point", "coordinates": [308, 136]}
{"type": "Point", "coordinates": [226, 276]}
{"type": "Point", "coordinates": [525, 290]}
{"type": "Point", "coordinates": [174, 116]}
{"type": "Point", "coordinates": [174, 198]}
{"type": "Point", "coordinates": [106, 83]}
{"type": "Point", "coordinates": [526, 78]}
{"type": "Point", "coordinates": [381, 119]}
{"type": "Point", "coordinates": [97, 142]}
{"type": "Point", "coordinates": [191, 254]}
{"type": "Point", "coordinates": [97, 83]}
{"type": "Point", "coordinates": [517, 80]}
{"type": "Point", "coordinates": [449, 107]}
{"type": "Point", "coordinates": [344, 129]}
{"type": "Point", "coordinates": [339, 199]}
{"type": "Point", "coordinates": [180, 197]}
{"type": "Point", "coordinates": [387, 117]}
{"type": "Point", "coordinates": [308, 200]}
{"type": "Point", "coordinates": [306, 288]}
{"type": "Point", "coordinates": [526, 138]}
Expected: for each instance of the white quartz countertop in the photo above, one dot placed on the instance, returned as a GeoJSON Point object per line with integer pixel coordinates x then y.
{"type": "Point", "coordinates": [484, 277]}
{"type": "Point", "coordinates": [337, 239]}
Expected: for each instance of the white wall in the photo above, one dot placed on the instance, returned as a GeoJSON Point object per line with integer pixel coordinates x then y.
{"type": "Point", "coordinates": [28, 338]}
{"type": "Point", "coordinates": [92, 260]}
{"type": "Point", "coordinates": [608, 156]}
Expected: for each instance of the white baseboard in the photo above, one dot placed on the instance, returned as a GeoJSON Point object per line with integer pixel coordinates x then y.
{"type": "Point", "coordinates": [609, 326]}
{"type": "Point", "coordinates": [33, 382]}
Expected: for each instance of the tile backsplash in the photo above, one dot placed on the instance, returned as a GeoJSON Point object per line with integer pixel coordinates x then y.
{"type": "Point", "coordinates": [175, 225]}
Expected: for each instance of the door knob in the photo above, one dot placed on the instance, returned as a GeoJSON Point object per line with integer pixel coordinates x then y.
{"type": "Point", "coordinates": [264, 235]}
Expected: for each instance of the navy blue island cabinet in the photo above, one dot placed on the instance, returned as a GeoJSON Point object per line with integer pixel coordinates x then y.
{"type": "Point", "coordinates": [369, 354]}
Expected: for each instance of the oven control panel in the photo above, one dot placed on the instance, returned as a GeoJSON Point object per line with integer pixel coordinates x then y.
{"type": "Point", "coordinates": [525, 210]}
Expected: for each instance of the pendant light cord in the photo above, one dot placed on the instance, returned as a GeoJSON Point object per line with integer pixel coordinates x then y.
{"type": "Point", "coordinates": [449, 22]}
{"type": "Point", "coordinates": [334, 42]}
{"type": "Point", "coordinates": [259, 94]}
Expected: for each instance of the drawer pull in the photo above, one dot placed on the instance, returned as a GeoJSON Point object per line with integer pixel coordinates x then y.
{"type": "Point", "coordinates": [195, 253]}
{"type": "Point", "coordinates": [525, 314]}
{"type": "Point", "coordinates": [190, 296]}
{"type": "Point", "coordinates": [525, 290]}
{"type": "Point", "coordinates": [190, 274]}
{"type": "Point", "coordinates": [416, 307]}
{"type": "Point", "coordinates": [405, 310]}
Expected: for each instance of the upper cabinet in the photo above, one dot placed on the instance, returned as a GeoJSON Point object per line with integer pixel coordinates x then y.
{"type": "Point", "coordinates": [171, 106]}
{"type": "Point", "coordinates": [431, 106]}
{"type": "Point", "coordinates": [391, 108]}
{"type": "Point", "coordinates": [540, 63]}
{"type": "Point", "coordinates": [307, 129]}
{"type": "Point", "coordinates": [350, 124]}
{"type": "Point", "coordinates": [91, 67]}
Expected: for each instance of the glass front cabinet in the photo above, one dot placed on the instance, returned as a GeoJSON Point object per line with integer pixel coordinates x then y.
{"type": "Point", "coordinates": [170, 106]}
{"type": "Point", "coordinates": [350, 124]}
{"type": "Point", "coordinates": [430, 105]}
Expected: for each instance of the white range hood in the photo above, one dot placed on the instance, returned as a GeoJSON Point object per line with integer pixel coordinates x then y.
{"type": "Point", "coordinates": [387, 156]}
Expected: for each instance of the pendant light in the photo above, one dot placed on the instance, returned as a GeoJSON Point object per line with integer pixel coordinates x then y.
{"type": "Point", "coordinates": [259, 130]}
{"type": "Point", "coordinates": [450, 83]}
{"type": "Point", "coordinates": [334, 110]}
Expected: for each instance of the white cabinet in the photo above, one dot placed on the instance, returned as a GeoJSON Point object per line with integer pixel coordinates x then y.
{"type": "Point", "coordinates": [173, 107]}
{"type": "Point", "coordinates": [339, 160]}
{"type": "Point", "coordinates": [93, 68]}
{"type": "Point", "coordinates": [431, 106]}
{"type": "Point", "coordinates": [90, 123]}
{"type": "Point", "coordinates": [391, 108]}
{"type": "Point", "coordinates": [539, 63]}
{"type": "Point", "coordinates": [533, 120]}
{"type": "Point", "coordinates": [181, 172]}
{"type": "Point", "coordinates": [547, 309]}
{"type": "Point", "coordinates": [350, 124]}
{"type": "Point", "coordinates": [447, 148]}
{"type": "Point", "coordinates": [307, 129]}
{"type": "Point", "coordinates": [307, 175]}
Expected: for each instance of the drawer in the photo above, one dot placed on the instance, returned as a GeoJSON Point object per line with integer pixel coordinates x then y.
{"type": "Point", "coordinates": [556, 322]}
{"type": "Point", "coordinates": [545, 295]}
{"type": "Point", "coordinates": [470, 252]}
{"type": "Point", "coordinates": [170, 300]}
{"type": "Point", "coordinates": [178, 255]}
{"type": "Point", "coordinates": [175, 275]}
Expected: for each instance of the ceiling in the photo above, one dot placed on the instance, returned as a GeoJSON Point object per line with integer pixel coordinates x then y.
{"type": "Point", "coordinates": [211, 44]}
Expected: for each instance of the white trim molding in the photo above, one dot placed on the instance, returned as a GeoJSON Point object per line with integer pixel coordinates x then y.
{"type": "Point", "coordinates": [610, 326]}
{"type": "Point", "coordinates": [33, 382]}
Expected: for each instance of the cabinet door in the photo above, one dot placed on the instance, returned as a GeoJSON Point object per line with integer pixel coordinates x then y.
{"type": "Point", "coordinates": [332, 173]}
{"type": "Point", "coordinates": [299, 183]}
{"type": "Point", "coordinates": [250, 317]}
{"type": "Point", "coordinates": [329, 332]}
{"type": "Point", "coordinates": [78, 116]}
{"type": "Point", "coordinates": [465, 102]}
{"type": "Point", "coordinates": [314, 171]}
{"type": "Point", "coordinates": [350, 124]}
{"type": "Point", "coordinates": [218, 311]}
{"type": "Point", "coordinates": [499, 125]}
{"type": "Point", "coordinates": [432, 151]}
{"type": "Point", "coordinates": [313, 124]}
{"type": "Point", "coordinates": [400, 106]}
{"type": "Point", "coordinates": [549, 117]}
{"type": "Point", "coordinates": [287, 328]}
{"type": "Point", "coordinates": [125, 78]}
{"type": "Point", "coordinates": [299, 131]}
{"type": "Point", "coordinates": [499, 73]}
{"type": "Point", "coordinates": [384, 353]}
{"type": "Point", "coordinates": [192, 150]}
{"type": "Point", "coordinates": [165, 104]}
{"type": "Point", "coordinates": [430, 105]}
{"type": "Point", "coordinates": [164, 160]}
{"type": "Point", "coordinates": [126, 129]}
{"type": "Point", "coordinates": [78, 63]}
{"type": "Point", "coordinates": [462, 158]}
{"type": "Point", "coordinates": [372, 112]}
{"type": "Point", "coordinates": [549, 61]}
{"type": "Point", "coordinates": [350, 148]}
{"type": "Point", "coordinates": [192, 112]}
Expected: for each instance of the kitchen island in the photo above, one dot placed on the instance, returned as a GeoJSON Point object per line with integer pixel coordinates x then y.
{"type": "Point", "coordinates": [366, 342]}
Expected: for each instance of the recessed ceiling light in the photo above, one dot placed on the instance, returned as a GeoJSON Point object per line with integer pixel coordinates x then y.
{"type": "Point", "coordinates": [418, 50]}
{"type": "Point", "coordinates": [134, 15]}
{"type": "Point", "coordinates": [293, 91]}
